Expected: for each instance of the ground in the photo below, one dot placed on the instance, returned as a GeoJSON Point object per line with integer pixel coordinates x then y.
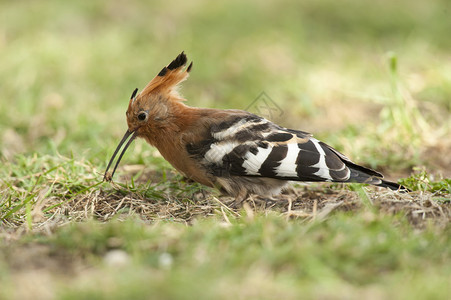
{"type": "Point", "coordinates": [372, 80]}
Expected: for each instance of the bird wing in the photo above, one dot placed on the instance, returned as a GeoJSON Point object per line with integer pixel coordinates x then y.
{"type": "Point", "coordinates": [250, 145]}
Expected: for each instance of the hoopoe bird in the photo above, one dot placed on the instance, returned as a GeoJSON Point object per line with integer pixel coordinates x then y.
{"type": "Point", "coordinates": [235, 150]}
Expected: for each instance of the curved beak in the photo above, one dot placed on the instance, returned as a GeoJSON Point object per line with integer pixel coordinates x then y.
{"type": "Point", "coordinates": [107, 176]}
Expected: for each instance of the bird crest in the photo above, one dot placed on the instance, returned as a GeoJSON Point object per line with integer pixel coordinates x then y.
{"type": "Point", "coordinates": [168, 79]}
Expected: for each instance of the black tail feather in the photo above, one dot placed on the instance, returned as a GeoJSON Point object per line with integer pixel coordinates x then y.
{"type": "Point", "coordinates": [393, 186]}
{"type": "Point", "coordinates": [361, 175]}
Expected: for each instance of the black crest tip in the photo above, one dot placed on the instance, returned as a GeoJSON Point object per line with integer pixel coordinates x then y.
{"type": "Point", "coordinates": [189, 67]}
{"type": "Point", "coordinates": [163, 72]}
{"type": "Point", "coordinates": [134, 93]}
{"type": "Point", "coordinates": [179, 61]}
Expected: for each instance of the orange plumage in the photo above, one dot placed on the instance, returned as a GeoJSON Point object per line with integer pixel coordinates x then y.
{"type": "Point", "coordinates": [235, 150]}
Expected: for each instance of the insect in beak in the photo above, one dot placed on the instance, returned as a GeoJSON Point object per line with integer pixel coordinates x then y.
{"type": "Point", "coordinates": [107, 176]}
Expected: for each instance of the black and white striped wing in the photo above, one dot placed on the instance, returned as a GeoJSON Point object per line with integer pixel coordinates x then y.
{"type": "Point", "coordinates": [303, 159]}
{"type": "Point", "coordinates": [253, 146]}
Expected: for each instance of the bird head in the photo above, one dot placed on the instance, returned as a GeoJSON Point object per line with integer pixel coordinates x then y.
{"type": "Point", "coordinates": [151, 108]}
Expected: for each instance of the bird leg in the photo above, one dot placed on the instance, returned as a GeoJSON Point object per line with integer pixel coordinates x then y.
{"type": "Point", "coordinates": [239, 198]}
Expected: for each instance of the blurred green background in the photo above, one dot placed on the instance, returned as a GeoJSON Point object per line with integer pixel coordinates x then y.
{"type": "Point", "coordinates": [348, 71]}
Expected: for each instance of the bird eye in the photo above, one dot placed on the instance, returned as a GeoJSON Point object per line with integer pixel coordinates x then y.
{"type": "Point", "coordinates": [142, 116]}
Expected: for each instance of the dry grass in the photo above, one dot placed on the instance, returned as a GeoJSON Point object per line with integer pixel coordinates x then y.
{"type": "Point", "coordinates": [307, 203]}
{"type": "Point", "coordinates": [33, 263]}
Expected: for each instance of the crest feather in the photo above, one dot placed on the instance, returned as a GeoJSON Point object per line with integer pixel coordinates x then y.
{"type": "Point", "coordinates": [169, 77]}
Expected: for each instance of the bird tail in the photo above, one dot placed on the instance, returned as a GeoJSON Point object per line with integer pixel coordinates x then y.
{"type": "Point", "coordinates": [365, 175]}
{"type": "Point", "coordinates": [362, 174]}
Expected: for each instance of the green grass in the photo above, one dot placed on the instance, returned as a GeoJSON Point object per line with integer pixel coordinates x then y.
{"type": "Point", "coordinates": [260, 257]}
{"type": "Point", "coordinates": [371, 79]}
